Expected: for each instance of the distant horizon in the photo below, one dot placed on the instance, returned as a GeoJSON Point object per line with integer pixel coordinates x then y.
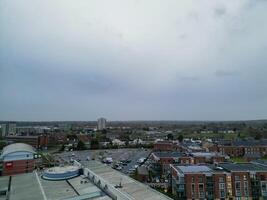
{"type": "Point", "coordinates": [134, 120]}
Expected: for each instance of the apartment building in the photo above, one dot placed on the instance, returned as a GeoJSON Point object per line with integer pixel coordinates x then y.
{"type": "Point", "coordinates": [251, 149]}
{"type": "Point", "coordinates": [244, 181]}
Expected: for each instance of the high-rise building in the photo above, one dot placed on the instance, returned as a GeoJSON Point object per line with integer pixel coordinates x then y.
{"type": "Point", "coordinates": [101, 123]}
{"type": "Point", "coordinates": [3, 130]}
{"type": "Point", "coordinates": [11, 129]}
{"type": "Point", "coordinates": [8, 129]}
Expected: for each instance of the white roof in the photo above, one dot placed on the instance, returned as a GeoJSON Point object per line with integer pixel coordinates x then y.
{"type": "Point", "coordinates": [17, 147]}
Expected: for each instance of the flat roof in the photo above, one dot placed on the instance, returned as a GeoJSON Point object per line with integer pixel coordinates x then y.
{"type": "Point", "coordinates": [31, 186]}
{"type": "Point", "coordinates": [167, 154]}
{"type": "Point", "coordinates": [243, 167]}
{"type": "Point", "coordinates": [206, 154]}
{"type": "Point", "coordinates": [193, 168]}
{"type": "Point", "coordinates": [130, 187]}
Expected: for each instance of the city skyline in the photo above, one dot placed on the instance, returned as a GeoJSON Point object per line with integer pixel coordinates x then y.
{"type": "Point", "coordinates": [134, 60]}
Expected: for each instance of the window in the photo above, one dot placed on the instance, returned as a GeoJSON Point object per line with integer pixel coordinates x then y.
{"type": "Point", "coordinates": [193, 190]}
{"type": "Point", "coordinates": [192, 180]}
{"type": "Point", "coordinates": [200, 179]}
{"type": "Point", "coordinates": [201, 190]}
{"type": "Point", "coordinates": [238, 188]}
{"type": "Point", "coordinates": [246, 188]}
{"type": "Point", "coordinates": [263, 187]}
{"type": "Point", "coordinates": [237, 178]}
{"type": "Point", "coordinates": [221, 180]}
{"type": "Point", "coordinates": [222, 190]}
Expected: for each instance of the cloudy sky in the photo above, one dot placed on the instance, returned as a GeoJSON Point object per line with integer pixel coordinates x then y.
{"type": "Point", "coordinates": [133, 60]}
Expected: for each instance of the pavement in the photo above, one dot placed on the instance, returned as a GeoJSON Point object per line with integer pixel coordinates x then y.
{"type": "Point", "coordinates": [116, 154]}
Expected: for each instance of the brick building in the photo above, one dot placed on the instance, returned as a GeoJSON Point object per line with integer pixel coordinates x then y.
{"type": "Point", "coordinates": [164, 146]}
{"type": "Point", "coordinates": [17, 158]}
{"type": "Point", "coordinates": [161, 160]}
{"type": "Point", "coordinates": [225, 181]}
{"type": "Point", "coordinates": [208, 157]}
{"type": "Point", "coordinates": [38, 142]}
{"type": "Point", "coordinates": [241, 148]}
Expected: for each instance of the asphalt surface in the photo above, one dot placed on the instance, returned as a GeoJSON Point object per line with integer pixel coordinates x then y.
{"type": "Point", "coordinates": [116, 154]}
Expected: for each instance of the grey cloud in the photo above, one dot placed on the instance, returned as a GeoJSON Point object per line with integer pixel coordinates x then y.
{"type": "Point", "coordinates": [225, 73]}
{"type": "Point", "coordinates": [149, 60]}
{"type": "Point", "coordinates": [219, 11]}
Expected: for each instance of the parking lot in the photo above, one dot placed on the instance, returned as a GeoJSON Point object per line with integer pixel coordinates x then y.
{"type": "Point", "coordinates": [130, 155]}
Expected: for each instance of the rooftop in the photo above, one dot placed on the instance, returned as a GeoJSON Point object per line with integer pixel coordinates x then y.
{"type": "Point", "coordinates": [168, 154]}
{"type": "Point", "coordinates": [130, 187]}
{"type": "Point", "coordinates": [206, 154]}
{"type": "Point", "coordinates": [17, 147]}
{"type": "Point", "coordinates": [193, 169]}
{"type": "Point", "coordinates": [31, 186]}
{"type": "Point", "coordinates": [243, 167]}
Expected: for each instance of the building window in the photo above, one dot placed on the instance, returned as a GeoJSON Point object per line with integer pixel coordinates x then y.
{"type": "Point", "coordinates": [237, 178]}
{"type": "Point", "coordinates": [246, 188]}
{"type": "Point", "coordinates": [200, 179]}
{"type": "Point", "coordinates": [237, 188]}
{"type": "Point", "coordinates": [201, 190]}
{"type": "Point", "coordinates": [222, 190]}
{"type": "Point", "coordinates": [221, 180]}
{"type": "Point", "coordinates": [263, 187]}
{"type": "Point", "coordinates": [192, 180]}
{"type": "Point", "coordinates": [193, 190]}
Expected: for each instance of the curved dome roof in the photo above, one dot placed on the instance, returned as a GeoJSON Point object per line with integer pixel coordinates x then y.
{"type": "Point", "coordinates": [17, 147]}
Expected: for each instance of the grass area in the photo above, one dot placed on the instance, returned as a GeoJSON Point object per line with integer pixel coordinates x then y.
{"type": "Point", "coordinates": [227, 136]}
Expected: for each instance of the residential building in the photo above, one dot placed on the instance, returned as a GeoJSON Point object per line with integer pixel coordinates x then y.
{"type": "Point", "coordinates": [160, 161]}
{"type": "Point", "coordinates": [101, 123]}
{"type": "Point", "coordinates": [11, 129]}
{"type": "Point", "coordinates": [250, 149]}
{"type": "Point", "coordinates": [3, 130]}
{"type": "Point", "coordinates": [224, 181]}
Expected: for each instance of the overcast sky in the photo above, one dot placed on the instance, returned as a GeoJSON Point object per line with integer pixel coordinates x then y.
{"type": "Point", "coordinates": [133, 59]}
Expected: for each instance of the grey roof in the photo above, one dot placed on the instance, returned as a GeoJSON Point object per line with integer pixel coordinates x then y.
{"type": "Point", "coordinates": [131, 188]}
{"type": "Point", "coordinates": [243, 167]}
{"type": "Point", "coordinates": [206, 154]}
{"type": "Point", "coordinates": [193, 168]}
{"type": "Point", "coordinates": [168, 154]}
{"type": "Point", "coordinates": [17, 147]}
{"type": "Point", "coordinates": [31, 186]}
{"type": "Point", "coordinates": [262, 142]}
{"type": "Point", "coordinates": [260, 162]}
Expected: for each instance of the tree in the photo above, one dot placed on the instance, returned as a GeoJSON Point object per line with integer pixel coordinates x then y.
{"type": "Point", "coordinates": [170, 136]}
{"type": "Point", "coordinates": [62, 148]}
{"type": "Point", "coordinates": [80, 145]}
{"type": "Point", "coordinates": [258, 136]}
{"type": "Point", "coordinates": [180, 138]}
{"type": "Point", "coordinates": [94, 143]}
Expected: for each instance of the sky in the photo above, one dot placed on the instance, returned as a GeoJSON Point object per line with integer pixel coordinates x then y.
{"type": "Point", "coordinates": [133, 60]}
